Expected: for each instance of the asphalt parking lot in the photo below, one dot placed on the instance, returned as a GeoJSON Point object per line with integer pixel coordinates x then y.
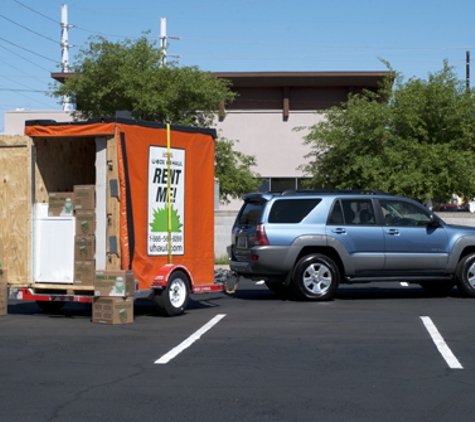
{"type": "Point", "coordinates": [369, 354]}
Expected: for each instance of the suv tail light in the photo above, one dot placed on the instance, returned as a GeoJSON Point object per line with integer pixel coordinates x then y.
{"type": "Point", "coordinates": [261, 238]}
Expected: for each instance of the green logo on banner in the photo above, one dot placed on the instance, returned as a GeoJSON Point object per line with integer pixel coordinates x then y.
{"type": "Point", "coordinates": [160, 220]}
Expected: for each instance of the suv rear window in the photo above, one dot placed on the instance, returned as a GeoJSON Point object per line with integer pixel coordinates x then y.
{"type": "Point", "coordinates": [250, 214]}
{"type": "Point", "coordinates": [291, 210]}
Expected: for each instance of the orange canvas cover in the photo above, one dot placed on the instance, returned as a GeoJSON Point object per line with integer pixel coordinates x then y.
{"type": "Point", "coordinates": [143, 177]}
{"type": "Point", "coordinates": [144, 204]}
{"type": "Point", "coordinates": [71, 129]}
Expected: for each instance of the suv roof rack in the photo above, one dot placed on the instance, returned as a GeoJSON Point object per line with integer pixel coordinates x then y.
{"type": "Point", "coordinates": [291, 192]}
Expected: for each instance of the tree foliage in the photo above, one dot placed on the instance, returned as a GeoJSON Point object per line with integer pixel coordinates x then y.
{"type": "Point", "coordinates": [109, 77]}
{"type": "Point", "coordinates": [413, 138]}
{"type": "Point", "coordinates": [129, 76]}
{"type": "Point", "coordinates": [233, 169]}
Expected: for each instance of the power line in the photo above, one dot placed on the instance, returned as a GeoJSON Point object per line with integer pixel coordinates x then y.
{"type": "Point", "coordinates": [19, 83]}
{"type": "Point", "coordinates": [23, 90]}
{"type": "Point", "coordinates": [24, 58]}
{"type": "Point", "coordinates": [7, 62]}
{"type": "Point", "coordinates": [28, 29]}
{"type": "Point", "coordinates": [99, 33]}
{"type": "Point", "coordinates": [76, 27]}
{"type": "Point", "coordinates": [35, 11]}
{"type": "Point", "coordinates": [366, 47]}
{"type": "Point", "coordinates": [20, 93]}
{"type": "Point", "coordinates": [29, 51]}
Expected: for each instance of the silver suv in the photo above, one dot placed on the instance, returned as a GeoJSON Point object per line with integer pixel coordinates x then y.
{"type": "Point", "coordinates": [306, 243]}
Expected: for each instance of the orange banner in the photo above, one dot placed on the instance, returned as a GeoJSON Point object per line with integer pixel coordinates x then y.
{"type": "Point", "coordinates": [144, 178]}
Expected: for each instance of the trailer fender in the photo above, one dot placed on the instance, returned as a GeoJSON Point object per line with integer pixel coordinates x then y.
{"type": "Point", "coordinates": [161, 279]}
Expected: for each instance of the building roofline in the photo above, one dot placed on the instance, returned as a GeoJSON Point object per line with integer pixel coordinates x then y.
{"type": "Point", "coordinates": [370, 79]}
{"type": "Point", "coordinates": [304, 79]}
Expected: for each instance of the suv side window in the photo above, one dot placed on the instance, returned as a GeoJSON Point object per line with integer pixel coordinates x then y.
{"type": "Point", "coordinates": [336, 216]}
{"type": "Point", "coordinates": [352, 212]}
{"type": "Point", "coordinates": [292, 210]}
{"type": "Point", "coordinates": [401, 213]}
{"type": "Point", "coordinates": [358, 211]}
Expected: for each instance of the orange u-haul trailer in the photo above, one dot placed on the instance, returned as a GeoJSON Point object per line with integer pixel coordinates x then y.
{"type": "Point", "coordinates": [152, 210]}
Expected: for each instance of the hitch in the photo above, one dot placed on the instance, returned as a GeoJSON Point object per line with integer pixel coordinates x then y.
{"type": "Point", "coordinates": [223, 276]}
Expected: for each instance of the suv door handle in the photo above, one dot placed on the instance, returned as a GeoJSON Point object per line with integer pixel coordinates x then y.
{"type": "Point", "coordinates": [393, 232]}
{"type": "Point", "coordinates": [339, 231]}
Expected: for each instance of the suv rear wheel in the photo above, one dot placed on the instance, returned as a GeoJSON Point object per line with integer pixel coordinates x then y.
{"type": "Point", "coordinates": [316, 277]}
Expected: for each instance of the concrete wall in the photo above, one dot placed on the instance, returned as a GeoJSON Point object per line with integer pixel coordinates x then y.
{"type": "Point", "coordinates": [15, 120]}
{"type": "Point", "coordinates": [223, 223]}
{"type": "Point", "coordinates": [458, 218]}
{"type": "Point", "coordinates": [279, 150]}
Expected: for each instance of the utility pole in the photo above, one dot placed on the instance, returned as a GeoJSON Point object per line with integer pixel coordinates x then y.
{"type": "Point", "coordinates": [467, 80]}
{"type": "Point", "coordinates": [65, 48]}
{"type": "Point", "coordinates": [163, 40]}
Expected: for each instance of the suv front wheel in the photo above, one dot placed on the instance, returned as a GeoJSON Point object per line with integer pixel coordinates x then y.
{"type": "Point", "coordinates": [316, 277]}
{"type": "Point", "coordinates": [466, 275]}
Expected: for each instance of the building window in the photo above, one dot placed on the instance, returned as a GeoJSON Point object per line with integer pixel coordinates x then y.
{"type": "Point", "coordinates": [264, 185]}
{"type": "Point", "coordinates": [283, 183]}
{"type": "Point", "coordinates": [279, 184]}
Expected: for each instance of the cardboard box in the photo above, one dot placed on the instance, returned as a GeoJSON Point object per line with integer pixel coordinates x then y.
{"type": "Point", "coordinates": [60, 204]}
{"type": "Point", "coordinates": [84, 197]}
{"type": "Point", "coordinates": [84, 273]}
{"type": "Point", "coordinates": [3, 292]}
{"type": "Point", "coordinates": [85, 222]}
{"type": "Point", "coordinates": [84, 248]}
{"type": "Point", "coordinates": [114, 283]}
{"type": "Point", "coordinates": [113, 310]}
{"type": "Point", "coordinates": [1, 254]}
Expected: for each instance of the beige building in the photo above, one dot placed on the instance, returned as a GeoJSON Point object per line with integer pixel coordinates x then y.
{"type": "Point", "coordinates": [270, 105]}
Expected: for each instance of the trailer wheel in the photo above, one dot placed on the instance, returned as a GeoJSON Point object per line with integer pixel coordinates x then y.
{"type": "Point", "coordinates": [173, 300]}
{"type": "Point", "coordinates": [50, 307]}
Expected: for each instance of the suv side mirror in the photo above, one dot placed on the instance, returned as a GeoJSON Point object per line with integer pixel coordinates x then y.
{"type": "Point", "coordinates": [434, 221]}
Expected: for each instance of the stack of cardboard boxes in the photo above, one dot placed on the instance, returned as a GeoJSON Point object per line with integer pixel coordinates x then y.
{"type": "Point", "coordinates": [3, 284]}
{"type": "Point", "coordinates": [113, 290]}
{"type": "Point", "coordinates": [84, 244]}
{"type": "Point", "coordinates": [113, 297]}
{"type": "Point", "coordinates": [80, 204]}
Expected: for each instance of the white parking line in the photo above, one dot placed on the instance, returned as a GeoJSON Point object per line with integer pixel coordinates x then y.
{"type": "Point", "coordinates": [440, 343]}
{"type": "Point", "coordinates": [189, 341]}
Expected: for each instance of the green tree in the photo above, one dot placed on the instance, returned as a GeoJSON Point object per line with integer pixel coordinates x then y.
{"type": "Point", "coordinates": [413, 138]}
{"type": "Point", "coordinates": [233, 170]}
{"type": "Point", "coordinates": [129, 75]}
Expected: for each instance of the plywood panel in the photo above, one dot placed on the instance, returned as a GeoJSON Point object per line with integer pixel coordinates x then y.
{"type": "Point", "coordinates": [15, 207]}
{"type": "Point", "coordinates": [113, 206]}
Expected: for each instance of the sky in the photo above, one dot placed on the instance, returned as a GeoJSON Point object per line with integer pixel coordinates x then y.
{"type": "Point", "coordinates": [414, 36]}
